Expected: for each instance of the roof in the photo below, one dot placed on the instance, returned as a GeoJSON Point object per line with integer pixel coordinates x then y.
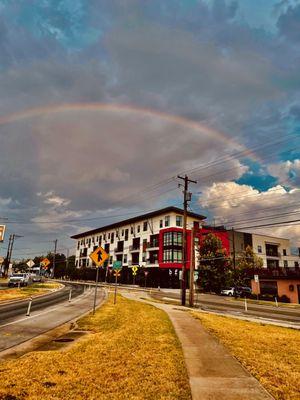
{"type": "Point", "coordinates": [137, 218]}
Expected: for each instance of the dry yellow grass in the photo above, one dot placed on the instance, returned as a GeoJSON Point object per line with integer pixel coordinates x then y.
{"type": "Point", "coordinates": [32, 290]}
{"type": "Point", "coordinates": [270, 353]}
{"type": "Point", "coordinates": [133, 353]}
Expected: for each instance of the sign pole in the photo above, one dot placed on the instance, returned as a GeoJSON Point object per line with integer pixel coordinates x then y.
{"type": "Point", "coordinates": [116, 281]}
{"type": "Point", "coordinates": [95, 296]}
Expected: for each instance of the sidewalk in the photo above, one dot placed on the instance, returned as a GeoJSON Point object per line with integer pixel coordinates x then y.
{"type": "Point", "coordinates": [214, 374]}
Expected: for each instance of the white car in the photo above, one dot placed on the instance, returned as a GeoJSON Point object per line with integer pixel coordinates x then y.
{"type": "Point", "coordinates": [228, 291]}
{"type": "Point", "coordinates": [19, 279]}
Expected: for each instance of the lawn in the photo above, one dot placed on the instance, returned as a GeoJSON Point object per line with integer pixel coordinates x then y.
{"type": "Point", "coordinates": [270, 353]}
{"type": "Point", "coordinates": [131, 353]}
{"type": "Point", "coordinates": [31, 290]}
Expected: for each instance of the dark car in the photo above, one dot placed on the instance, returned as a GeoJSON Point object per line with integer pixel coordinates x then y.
{"type": "Point", "coordinates": [243, 291]}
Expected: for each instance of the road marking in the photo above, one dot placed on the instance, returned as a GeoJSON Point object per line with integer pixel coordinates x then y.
{"type": "Point", "coordinates": [45, 312]}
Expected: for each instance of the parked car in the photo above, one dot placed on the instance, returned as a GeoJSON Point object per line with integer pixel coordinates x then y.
{"type": "Point", "coordinates": [17, 279]}
{"type": "Point", "coordinates": [244, 291]}
{"type": "Point", "coordinates": [238, 291]}
{"type": "Point", "coordinates": [228, 291]}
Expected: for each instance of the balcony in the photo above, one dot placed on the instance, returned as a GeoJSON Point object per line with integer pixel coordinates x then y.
{"type": "Point", "coordinates": [274, 254]}
{"type": "Point", "coordinates": [153, 245]}
{"type": "Point", "coordinates": [117, 250]}
{"type": "Point", "coordinates": [134, 249]}
{"type": "Point", "coordinates": [151, 262]}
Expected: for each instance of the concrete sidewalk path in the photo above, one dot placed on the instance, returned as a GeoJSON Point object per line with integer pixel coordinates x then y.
{"type": "Point", "coordinates": [214, 374]}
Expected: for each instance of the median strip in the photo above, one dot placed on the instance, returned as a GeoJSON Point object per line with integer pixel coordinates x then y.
{"type": "Point", "coordinates": [131, 352]}
{"type": "Point", "coordinates": [33, 290]}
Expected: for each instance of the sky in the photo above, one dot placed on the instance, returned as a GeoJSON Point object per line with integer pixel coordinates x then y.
{"type": "Point", "coordinates": [104, 103]}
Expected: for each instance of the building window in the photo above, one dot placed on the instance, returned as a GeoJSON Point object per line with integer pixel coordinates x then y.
{"type": "Point", "coordinates": [122, 232]}
{"type": "Point", "coordinates": [110, 260]}
{"type": "Point", "coordinates": [125, 259]}
{"type": "Point", "coordinates": [178, 220]}
{"type": "Point", "coordinates": [104, 237]}
{"type": "Point", "coordinates": [296, 264]}
{"type": "Point", "coordinates": [161, 223]}
{"type": "Point", "coordinates": [112, 237]}
{"type": "Point", "coordinates": [145, 226]}
{"type": "Point", "coordinates": [167, 220]}
{"type": "Point", "coordinates": [138, 228]}
{"type": "Point", "coordinates": [108, 235]}
{"type": "Point", "coordinates": [131, 230]}
{"type": "Point", "coordinates": [100, 239]}
{"type": "Point", "coordinates": [89, 243]}
{"type": "Point", "coordinates": [259, 249]}
{"type": "Point", "coordinates": [126, 234]}
{"type": "Point", "coordinates": [285, 264]}
{"type": "Point", "coordinates": [78, 245]}
{"type": "Point", "coordinates": [284, 252]}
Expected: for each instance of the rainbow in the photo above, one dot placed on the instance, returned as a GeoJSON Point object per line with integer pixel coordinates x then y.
{"type": "Point", "coordinates": [114, 107]}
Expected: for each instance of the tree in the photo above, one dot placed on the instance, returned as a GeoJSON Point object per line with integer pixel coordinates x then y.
{"type": "Point", "coordinates": [213, 267]}
{"type": "Point", "coordinates": [247, 262]}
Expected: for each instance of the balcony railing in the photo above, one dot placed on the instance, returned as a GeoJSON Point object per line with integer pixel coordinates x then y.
{"type": "Point", "coordinates": [118, 250]}
{"type": "Point", "coordinates": [134, 248]}
{"type": "Point", "coordinates": [272, 254]}
{"type": "Point", "coordinates": [151, 245]}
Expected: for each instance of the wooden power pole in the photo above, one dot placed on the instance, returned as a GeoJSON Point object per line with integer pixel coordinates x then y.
{"type": "Point", "coordinates": [186, 199]}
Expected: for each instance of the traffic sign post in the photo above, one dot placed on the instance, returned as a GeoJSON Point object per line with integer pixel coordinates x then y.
{"type": "Point", "coordinates": [117, 266]}
{"type": "Point", "coordinates": [134, 270]}
{"type": "Point", "coordinates": [99, 256]}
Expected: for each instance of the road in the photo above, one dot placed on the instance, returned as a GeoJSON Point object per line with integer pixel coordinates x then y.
{"type": "Point", "coordinates": [10, 310]}
{"type": "Point", "coordinates": [237, 307]}
{"type": "Point", "coordinates": [47, 315]}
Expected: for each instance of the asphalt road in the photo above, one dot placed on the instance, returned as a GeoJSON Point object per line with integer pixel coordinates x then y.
{"type": "Point", "coordinates": [15, 308]}
{"type": "Point", "coordinates": [237, 307]}
{"type": "Point", "coordinates": [22, 331]}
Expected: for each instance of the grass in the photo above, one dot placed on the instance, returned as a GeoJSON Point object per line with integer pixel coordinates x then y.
{"type": "Point", "coordinates": [270, 353]}
{"type": "Point", "coordinates": [31, 290]}
{"type": "Point", "coordinates": [131, 353]}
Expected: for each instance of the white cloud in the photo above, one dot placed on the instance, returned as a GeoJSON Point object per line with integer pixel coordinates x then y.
{"type": "Point", "coordinates": [242, 206]}
{"type": "Point", "coordinates": [288, 172]}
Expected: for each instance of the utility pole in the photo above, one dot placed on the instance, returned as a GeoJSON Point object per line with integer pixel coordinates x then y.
{"type": "Point", "coordinates": [234, 261]}
{"type": "Point", "coordinates": [10, 249]}
{"type": "Point", "coordinates": [192, 269]}
{"type": "Point", "coordinates": [186, 198]}
{"type": "Point", "coordinates": [7, 259]}
{"type": "Point", "coordinates": [54, 257]}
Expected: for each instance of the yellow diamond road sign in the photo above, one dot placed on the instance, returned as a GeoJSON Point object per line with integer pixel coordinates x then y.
{"type": "Point", "coordinates": [99, 256]}
{"type": "Point", "coordinates": [2, 231]}
{"type": "Point", "coordinates": [45, 262]}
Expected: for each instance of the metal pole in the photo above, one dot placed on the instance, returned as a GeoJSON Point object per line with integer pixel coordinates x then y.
{"type": "Point", "coordinates": [116, 281]}
{"type": "Point", "coordinates": [96, 286]}
{"type": "Point", "coordinates": [192, 269]}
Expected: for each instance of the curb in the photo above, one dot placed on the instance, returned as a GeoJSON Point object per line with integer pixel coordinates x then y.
{"type": "Point", "coordinates": [35, 343]}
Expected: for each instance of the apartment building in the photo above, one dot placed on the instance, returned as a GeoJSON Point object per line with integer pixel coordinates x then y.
{"type": "Point", "coordinates": [152, 241]}
{"type": "Point", "coordinates": [275, 252]}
